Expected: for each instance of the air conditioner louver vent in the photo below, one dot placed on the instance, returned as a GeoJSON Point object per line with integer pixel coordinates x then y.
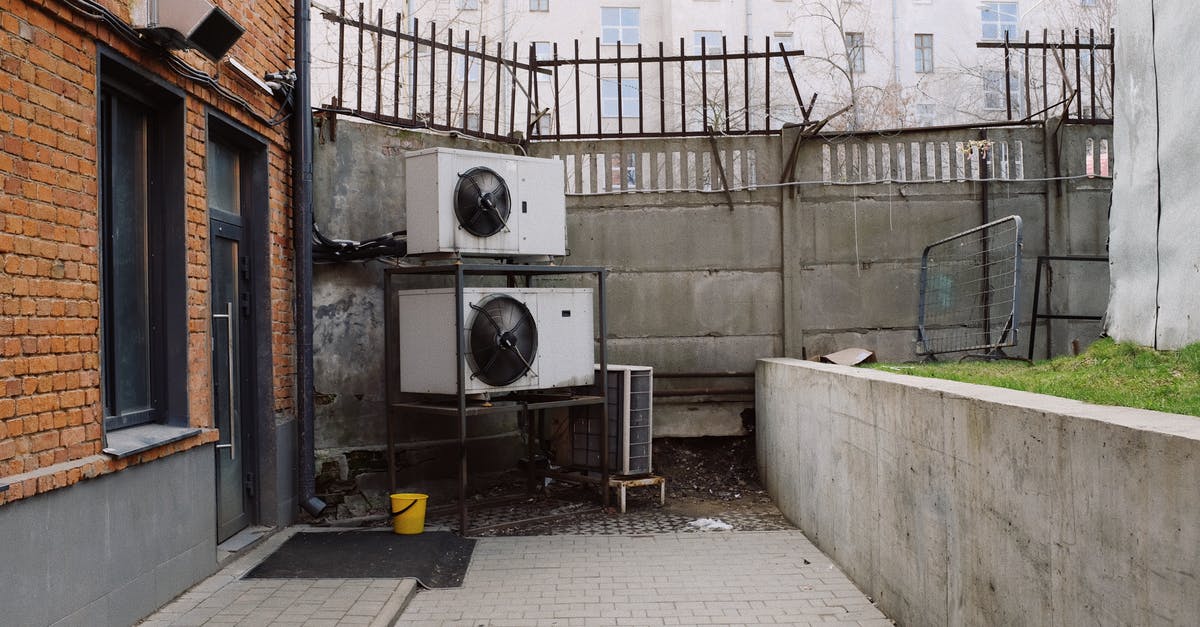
{"type": "Point", "coordinates": [630, 422]}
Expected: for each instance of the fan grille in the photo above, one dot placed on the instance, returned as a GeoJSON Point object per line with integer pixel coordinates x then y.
{"type": "Point", "coordinates": [481, 202]}
{"type": "Point", "coordinates": [501, 340]}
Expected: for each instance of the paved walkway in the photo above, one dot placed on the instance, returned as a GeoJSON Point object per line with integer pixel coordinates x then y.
{"type": "Point", "coordinates": [721, 578]}
{"type": "Point", "coordinates": [227, 599]}
{"type": "Point", "coordinates": [712, 578]}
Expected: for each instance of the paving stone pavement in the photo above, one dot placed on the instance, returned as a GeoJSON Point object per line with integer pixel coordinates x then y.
{"type": "Point", "coordinates": [735, 577]}
{"type": "Point", "coordinates": [228, 599]}
{"type": "Point", "coordinates": [711, 578]}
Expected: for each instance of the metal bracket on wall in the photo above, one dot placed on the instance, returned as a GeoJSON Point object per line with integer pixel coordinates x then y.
{"type": "Point", "coordinates": [325, 118]}
{"type": "Point", "coordinates": [807, 129]}
{"type": "Point", "coordinates": [712, 140]}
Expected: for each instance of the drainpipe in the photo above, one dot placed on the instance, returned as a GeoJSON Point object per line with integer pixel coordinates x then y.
{"type": "Point", "coordinates": [895, 44]}
{"type": "Point", "coordinates": [749, 18]}
{"type": "Point", "coordinates": [749, 41]}
{"type": "Point", "coordinates": [302, 221]}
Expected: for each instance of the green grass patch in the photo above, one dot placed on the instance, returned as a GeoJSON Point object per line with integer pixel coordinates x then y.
{"type": "Point", "coordinates": [1108, 373]}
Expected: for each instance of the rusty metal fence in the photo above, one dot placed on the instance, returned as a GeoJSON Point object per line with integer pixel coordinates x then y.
{"type": "Point", "coordinates": [459, 83]}
{"type": "Point", "coordinates": [1072, 74]}
{"type": "Point", "coordinates": [969, 288]}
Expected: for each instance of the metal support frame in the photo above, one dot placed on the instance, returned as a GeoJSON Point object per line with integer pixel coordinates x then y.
{"type": "Point", "coordinates": [1044, 260]}
{"type": "Point", "coordinates": [525, 403]}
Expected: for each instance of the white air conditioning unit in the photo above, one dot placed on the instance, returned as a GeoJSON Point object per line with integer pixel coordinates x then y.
{"type": "Point", "coordinates": [185, 24]}
{"type": "Point", "coordinates": [630, 422]}
{"type": "Point", "coordinates": [486, 204]}
{"type": "Point", "coordinates": [516, 339]}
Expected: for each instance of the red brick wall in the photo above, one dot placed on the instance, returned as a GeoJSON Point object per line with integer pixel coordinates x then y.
{"type": "Point", "coordinates": [50, 413]}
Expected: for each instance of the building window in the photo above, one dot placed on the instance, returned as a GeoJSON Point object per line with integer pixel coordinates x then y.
{"type": "Point", "coordinates": [619, 25]}
{"type": "Point", "coordinates": [998, 19]}
{"type": "Point", "coordinates": [627, 96]}
{"type": "Point", "coordinates": [468, 65]}
{"type": "Point", "coordinates": [544, 51]}
{"type": "Point", "coordinates": [539, 5]}
{"type": "Point", "coordinates": [785, 40]}
{"type": "Point", "coordinates": [923, 46]}
{"type": "Point", "coordinates": [1087, 3]}
{"type": "Point", "coordinates": [545, 124]}
{"type": "Point", "coordinates": [468, 5]}
{"type": "Point", "coordinates": [708, 42]}
{"type": "Point", "coordinates": [926, 114]}
{"type": "Point", "coordinates": [855, 56]}
{"type": "Point", "coordinates": [993, 90]}
{"type": "Point", "coordinates": [142, 286]}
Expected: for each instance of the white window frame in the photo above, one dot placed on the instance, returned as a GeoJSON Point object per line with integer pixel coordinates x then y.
{"type": "Point", "coordinates": [712, 46]}
{"type": "Point", "coordinates": [468, 5]}
{"type": "Point", "coordinates": [789, 43]}
{"type": "Point", "coordinates": [468, 66]}
{"type": "Point", "coordinates": [539, 6]}
{"type": "Point", "coordinates": [995, 18]}
{"type": "Point", "coordinates": [544, 51]}
{"type": "Point", "coordinates": [993, 90]}
{"type": "Point", "coordinates": [620, 25]}
{"type": "Point", "coordinates": [628, 93]}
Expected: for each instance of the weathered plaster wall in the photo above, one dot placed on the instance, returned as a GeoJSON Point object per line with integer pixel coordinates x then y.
{"type": "Point", "coordinates": [1155, 257]}
{"type": "Point", "coordinates": [958, 504]}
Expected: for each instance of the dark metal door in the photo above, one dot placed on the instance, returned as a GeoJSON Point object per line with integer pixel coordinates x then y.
{"type": "Point", "coordinates": [231, 361]}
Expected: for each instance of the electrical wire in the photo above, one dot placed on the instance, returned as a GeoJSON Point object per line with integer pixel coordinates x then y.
{"type": "Point", "coordinates": [97, 12]}
{"type": "Point", "coordinates": [388, 245]}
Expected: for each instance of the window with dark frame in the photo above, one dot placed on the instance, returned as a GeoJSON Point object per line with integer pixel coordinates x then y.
{"type": "Point", "coordinates": [140, 162]}
{"type": "Point", "coordinates": [855, 55]}
{"type": "Point", "coordinates": [539, 5]}
{"type": "Point", "coordinates": [923, 53]}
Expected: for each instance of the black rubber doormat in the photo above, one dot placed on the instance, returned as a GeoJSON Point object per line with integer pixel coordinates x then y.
{"type": "Point", "coordinates": [437, 559]}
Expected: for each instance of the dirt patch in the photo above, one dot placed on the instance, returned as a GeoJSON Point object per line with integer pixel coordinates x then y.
{"type": "Point", "coordinates": [711, 474]}
{"type": "Point", "coordinates": [706, 478]}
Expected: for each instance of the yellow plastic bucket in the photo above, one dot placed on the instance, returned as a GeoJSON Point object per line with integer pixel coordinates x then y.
{"type": "Point", "coordinates": [408, 513]}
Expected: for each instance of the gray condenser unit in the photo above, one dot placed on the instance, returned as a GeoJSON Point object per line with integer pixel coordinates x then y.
{"type": "Point", "coordinates": [187, 24]}
{"type": "Point", "coordinates": [630, 422]}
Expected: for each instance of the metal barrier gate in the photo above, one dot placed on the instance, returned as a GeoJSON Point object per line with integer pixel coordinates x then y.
{"type": "Point", "coordinates": [969, 289]}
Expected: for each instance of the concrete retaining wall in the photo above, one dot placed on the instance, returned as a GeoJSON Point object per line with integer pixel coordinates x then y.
{"type": "Point", "coordinates": [958, 504]}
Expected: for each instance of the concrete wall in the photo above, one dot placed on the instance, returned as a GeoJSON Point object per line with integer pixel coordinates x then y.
{"type": "Point", "coordinates": [705, 282]}
{"type": "Point", "coordinates": [122, 544]}
{"type": "Point", "coordinates": [853, 251]}
{"type": "Point", "coordinates": [957, 504]}
{"type": "Point", "coordinates": [1155, 259]}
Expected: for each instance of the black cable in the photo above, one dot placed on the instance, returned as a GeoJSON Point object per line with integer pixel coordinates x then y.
{"type": "Point", "coordinates": [326, 250]}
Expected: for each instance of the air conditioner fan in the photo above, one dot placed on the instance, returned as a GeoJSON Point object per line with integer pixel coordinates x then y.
{"type": "Point", "coordinates": [501, 341]}
{"type": "Point", "coordinates": [481, 202]}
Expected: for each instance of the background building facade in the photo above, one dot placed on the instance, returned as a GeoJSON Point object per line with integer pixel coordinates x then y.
{"type": "Point", "coordinates": [900, 63]}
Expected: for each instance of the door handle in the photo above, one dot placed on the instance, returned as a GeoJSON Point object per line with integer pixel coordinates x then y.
{"type": "Point", "coordinates": [228, 316]}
